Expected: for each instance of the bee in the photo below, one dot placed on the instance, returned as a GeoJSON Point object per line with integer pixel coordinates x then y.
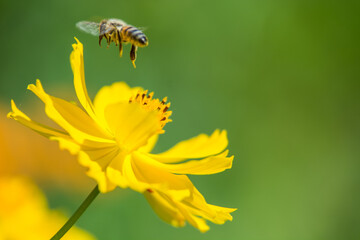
{"type": "Point", "coordinates": [116, 30]}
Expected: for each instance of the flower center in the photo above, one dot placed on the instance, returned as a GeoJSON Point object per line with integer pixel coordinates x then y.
{"type": "Point", "coordinates": [149, 104]}
{"type": "Point", "coordinates": [134, 122]}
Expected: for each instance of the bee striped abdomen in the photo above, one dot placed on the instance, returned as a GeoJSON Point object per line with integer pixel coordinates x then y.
{"type": "Point", "coordinates": [134, 36]}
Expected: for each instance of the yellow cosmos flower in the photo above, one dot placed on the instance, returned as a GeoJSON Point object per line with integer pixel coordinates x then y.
{"type": "Point", "coordinates": [24, 213]}
{"type": "Point", "coordinates": [114, 137]}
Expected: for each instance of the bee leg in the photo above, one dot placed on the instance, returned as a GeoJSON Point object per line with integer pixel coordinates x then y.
{"type": "Point", "coordinates": [114, 38]}
{"type": "Point", "coordinates": [108, 40]}
{"type": "Point", "coordinates": [100, 38]}
{"type": "Point", "coordinates": [120, 43]}
{"type": "Point", "coordinates": [133, 54]}
{"type": "Point", "coordinates": [111, 37]}
{"type": "Point", "coordinates": [120, 49]}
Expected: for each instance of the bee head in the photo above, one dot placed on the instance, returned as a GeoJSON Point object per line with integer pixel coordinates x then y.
{"type": "Point", "coordinates": [144, 41]}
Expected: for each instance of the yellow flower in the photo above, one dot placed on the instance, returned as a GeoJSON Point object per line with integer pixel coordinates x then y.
{"type": "Point", "coordinates": [24, 213]}
{"type": "Point", "coordinates": [114, 136]}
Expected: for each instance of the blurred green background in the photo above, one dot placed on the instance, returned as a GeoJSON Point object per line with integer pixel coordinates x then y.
{"type": "Point", "coordinates": [281, 76]}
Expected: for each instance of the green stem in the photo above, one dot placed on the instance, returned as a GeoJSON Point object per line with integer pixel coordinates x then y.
{"type": "Point", "coordinates": [72, 220]}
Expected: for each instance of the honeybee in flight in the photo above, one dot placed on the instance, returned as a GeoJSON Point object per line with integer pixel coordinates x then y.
{"type": "Point", "coordinates": [116, 30]}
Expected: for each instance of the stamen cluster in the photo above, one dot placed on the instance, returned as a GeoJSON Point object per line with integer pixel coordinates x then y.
{"type": "Point", "coordinates": [150, 104]}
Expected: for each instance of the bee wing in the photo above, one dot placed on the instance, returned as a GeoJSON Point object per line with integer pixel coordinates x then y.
{"type": "Point", "coordinates": [118, 22]}
{"type": "Point", "coordinates": [89, 27]}
{"type": "Point", "coordinates": [142, 28]}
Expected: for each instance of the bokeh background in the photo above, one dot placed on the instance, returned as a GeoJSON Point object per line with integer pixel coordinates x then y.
{"type": "Point", "coordinates": [281, 76]}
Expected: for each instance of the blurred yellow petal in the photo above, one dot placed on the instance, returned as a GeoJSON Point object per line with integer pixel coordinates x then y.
{"type": "Point", "coordinates": [197, 147]}
{"type": "Point", "coordinates": [24, 213]}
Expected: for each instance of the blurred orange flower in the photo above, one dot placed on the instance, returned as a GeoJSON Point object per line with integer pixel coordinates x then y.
{"type": "Point", "coordinates": [24, 213]}
{"type": "Point", "coordinates": [25, 153]}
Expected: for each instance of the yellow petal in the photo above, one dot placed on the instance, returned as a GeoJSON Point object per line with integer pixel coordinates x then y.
{"type": "Point", "coordinates": [209, 165]}
{"type": "Point", "coordinates": [197, 205]}
{"type": "Point", "coordinates": [195, 221]}
{"type": "Point", "coordinates": [132, 178]}
{"type": "Point", "coordinates": [70, 117]}
{"type": "Point", "coordinates": [95, 157]}
{"type": "Point", "coordinates": [131, 124]}
{"type": "Point", "coordinates": [198, 147]}
{"type": "Point", "coordinates": [117, 92]}
{"type": "Point", "coordinates": [115, 171]}
{"type": "Point", "coordinates": [67, 144]}
{"type": "Point", "coordinates": [173, 211]}
{"type": "Point", "coordinates": [222, 214]}
{"type": "Point", "coordinates": [178, 186]}
{"type": "Point", "coordinates": [150, 144]}
{"type": "Point", "coordinates": [96, 171]}
{"type": "Point", "coordinates": [193, 209]}
{"type": "Point", "coordinates": [22, 118]}
{"type": "Point", "coordinates": [77, 65]}
{"type": "Point", "coordinates": [164, 209]}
